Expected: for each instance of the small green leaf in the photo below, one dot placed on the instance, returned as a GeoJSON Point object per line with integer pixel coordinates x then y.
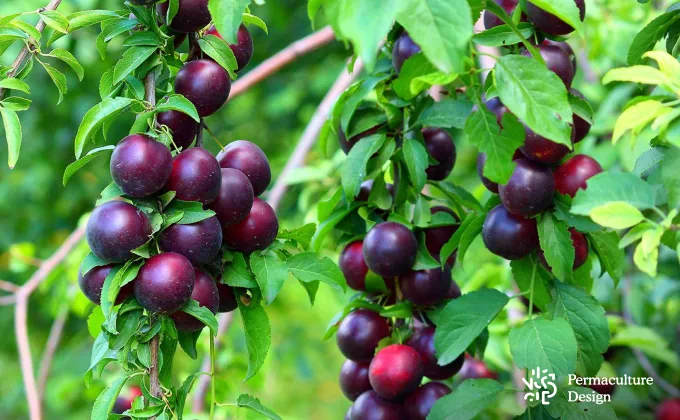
{"type": "Point", "coordinates": [55, 20]}
{"type": "Point", "coordinates": [248, 401]}
{"type": "Point", "coordinates": [270, 273]}
{"type": "Point", "coordinates": [447, 113]}
{"type": "Point", "coordinates": [179, 103]}
{"type": "Point", "coordinates": [237, 273]}
{"type": "Point", "coordinates": [94, 118]}
{"type": "Point", "coordinates": [609, 187]}
{"type": "Point", "coordinates": [58, 78]}
{"type": "Point", "coordinates": [15, 84]}
{"type": "Point", "coordinates": [249, 19]}
{"type": "Point", "coordinates": [467, 400]}
{"type": "Point", "coordinates": [307, 267]}
{"type": "Point", "coordinates": [201, 313]}
{"type": "Point", "coordinates": [354, 171]}
{"type": "Point", "coordinates": [606, 245]}
{"type": "Point", "coordinates": [258, 335]}
{"type": "Point", "coordinates": [130, 61]}
{"type": "Point", "coordinates": [228, 16]}
{"type": "Point", "coordinates": [545, 344]}
{"type": "Point", "coordinates": [105, 401]}
{"type": "Point", "coordinates": [12, 125]}
{"type": "Point", "coordinates": [69, 59]}
{"type": "Point", "coordinates": [617, 215]}
{"type": "Point", "coordinates": [556, 244]}
{"type": "Point", "coordinates": [75, 166]}
{"type": "Point", "coordinates": [417, 161]}
{"type": "Point", "coordinates": [219, 51]}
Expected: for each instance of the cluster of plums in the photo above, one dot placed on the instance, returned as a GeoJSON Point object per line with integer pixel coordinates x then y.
{"type": "Point", "coordinates": [228, 185]}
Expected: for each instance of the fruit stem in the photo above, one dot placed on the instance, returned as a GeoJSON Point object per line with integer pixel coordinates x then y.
{"type": "Point", "coordinates": [213, 402]}
{"type": "Point", "coordinates": [199, 135]}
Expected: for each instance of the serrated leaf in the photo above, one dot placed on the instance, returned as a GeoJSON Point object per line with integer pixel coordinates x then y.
{"type": "Point", "coordinates": [354, 170]}
{"type": "Point", "coordinates": [258, 335]}
{"type": "Point", "coordinates": [248, 401]}
{"type": "Point", "coordinates": [556, 244]}
{"type": "Point", "coordinates": [307, 267]}
{"type": "Point", "coordinates": [637, 117]}
{"type": "Point", "coordinates": [418, 74]}
{"type": "Point", "coordinates": [447, 113]}
{"type": "Point", "coordinates": [646, 39]}
{"type": "Point", "coordinates": [105, 401]}
{"type": "Point", "coordinates": [523, 270]}
{"type": "Point", "coordinates": [179, 103]}
{"type": "Point", "coordinates": [132, 58]}
{"type": "Point", "coordinates": [58, 78]}
{"type": "Point", "coordinates": [249, 19]}
{"type": "Point", "coordinates": [94, 118]}
{"type": "Point", "coordinates": [270, 273]}
{"type": "Point", "coordinates": [467, 400]}
{"type": "Point", "coordinates": [12, 124]}
{"type": "Point", "coordinates": [545, 344]}
{"type": "Point", "coordinates": [227, 16]}
{"type": "Point", "coordinates": [219, 51]}
{"type": "Point", "coordinates": [55, 20]}
{"type": "Point", "coordinates": [78, 164]}
{"type": "Point", "coordinates": [503, 35]}
{"type": "Point", "coordinates": [608, 187]}
{"type": "Point", "coordinates": [566, 10]}
{"type": "Point", "coordinates": [237, 274]}
{"type": "Point", "coordinates": [302, 235]}
{"type": "Point", "coordinates": [417, 160]}
{"type": "Point", "coordinates": [606, 245]}
{"type": "Point", "coordinates": [201, 313]}
{"type": "Point", "coordinates": [463, 319]}
{"type": "Point", "coordinates": [15, 84]}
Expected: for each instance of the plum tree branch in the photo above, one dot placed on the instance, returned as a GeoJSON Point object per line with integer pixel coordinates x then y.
{"type": "Point", "coordinates": [25, 52]}
{"type": "Point", "coordinates": [53, 342]}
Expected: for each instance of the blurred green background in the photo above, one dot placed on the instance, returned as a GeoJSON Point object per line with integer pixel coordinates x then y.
{"type": "Point", "coordinates": [299, 379]}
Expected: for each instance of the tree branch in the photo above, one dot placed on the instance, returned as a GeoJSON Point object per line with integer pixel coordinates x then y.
{"type": "Point", "coordinates": [53, 343]}
{"type": "Point", "coordinates": [24, 53]}
{"type": "Point", "coordinates": [281, 59]}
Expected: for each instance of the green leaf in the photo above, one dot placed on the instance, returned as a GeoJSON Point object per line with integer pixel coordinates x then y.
{"type": "Point", "coordinates": [249, 19]}
{"type": "Point", "coordinates": [503, 35]}
{"type": "Point", "coordinates": [237, 274]}
{"type": "Point", "coordinates": [15, 84]}
{"type": "Point", "coordinates": [307, 267]}
{"type": "Point", "coordinates": [248, 401]}
{"type": "Point", "coordinates": [258, 335]}
{"type": "Point", "coordinates": [366, 24]}
{"type": "Point", "coordinates": [470, 233]}
{"type": "Point", "coordinates": [219, 51]}
{"type": "Point", "coordinates": [55, 20]}
{"type": "Point", "coordinates": [95, 321]}
{"type": "Point", "coordinates": [463, 319]}
{"type": "Point", "coordinates": [75, 166]}
{"type": "Point", "coordinates": [646, 39]}
{"type": "Point", "coordinates": [302, 235]}
{"type": "Point", "coordinates": [587, 319]}
{"type": "Point", "coordinates": [565, 10]}
{"type": "Point", "coordinates": [132, 58]}
{"type": "Point", "coordinates": [442, 28]}
{"type": "Point", "coordinates": [270, 273]}
{"type": "Point", "coordinates": [228, 16]}
{"type": "Point", "coordinates": [185, 389]}
{"type": "Point", "coordinates": [187, 340]}
{"type": "Point", "coordinates": [482, 130]}
{"type": "Point", "coordinates": [522, 271]}
{"type": "Point", "coordinates": [447, 113]}
{"type": "Point", "coordinates": [12, 125]}
{"type": "Point", "coordinates": [58, 78]}
{"type": "Point", "coordinates": [105, 401]}
{"type": "Point", "coordinates": [354, 170]}
{"type": "Point", "coordinates": [671, 176]}
{"type": "Point", "coordinates": [544, 344]}
{"type": "Point", "coordinates": [606, 245]}
{"type": "Point", "coordinates": [469, 399]}
{"type": "Point", "coordinates": [146, 38]}
{"type": "Point", "coordinates": [179, 103]}
{"type": "Point", "coordinates": [201, 313]}
{"type": "Point", "coordinates": [418, 74]}
{"type": "Point", "coordinates": [556, 244]}
{"type": "Point", "coordinates": [417, 161]}
{"type": "Point", "coordinates": [637, 74]}
{"type": "Point", "coordinates": [606, 187]}
{"type": "Point", "coordinates": [94, 118]}
{"type": "Point", "coordinates": [192, 212]}
{"type": "Point", "coordinates": [617, 215]}
{"type": "Point", "coordinates": [637, 117]}
{"type": "Point", "coordinates": [536, 95]}
{"type": "Point", "coordinates": [69, 59]}
{"type": "Point", "coordinates": [563, 407]}
{"type": "Point", "coordinates": [16, 103]}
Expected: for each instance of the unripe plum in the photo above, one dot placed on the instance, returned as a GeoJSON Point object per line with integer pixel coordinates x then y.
{"type": "Point", "coordinates": [192, 15]}
{"type": "Point", "coordinates": [509, 236]}
{"type": "Point", "coordinates": [248, 158]}
{"type": "Point", "coordinates": [195, 176]}
{"type": "Point", "coordinates": [419, 404]}
{"type": "Point", "coordinates": [550, 23]}
{"type": "Point", "coordinates": [359, 334]}
{"type": "Point", "coordinates": [227, 298]}
{"type": "Point", "coordinates": [353, 266]}
{"type": "Point", "coordinates": [573, 174]}
{"type": "Point", "coordinates": [437, 237]}
{"type": "Point", "coordinates": [243, 49]}
{"type": "Point", "coordinates": [491, 20]}
{"type": "Point", "coordinates": [426, 287]}
{"type": "Point", "coordinates": [235, 198]}
{"type": "Point", "coordinates": [557, 61]}
{"type": "Point", "coordinates": [200, 242]}
{"type": "Point", "coordinates": [255, 232]}
{"type": "Point", "coordinates": [182, 126]}
{"type": "Point", "coordinates": [395, 371]}
{"type": "Point", "coordinates": [205, 83]}
{"type": "Point", "coordinates": [422, 341]}
{"type": "Point", "coordinates": [530, 189]}
{"type": "Point", "coordinates": [390, 249]}
{"type": "Point", "coordinates": [354, 379]}
{"type": "Point", "coordinates": [92, 282]}
{"type": "Point", "coordinates": [140, 165]}
{"type": "Point", "coordinates": [369, 406]}
{"type": "Point", "coordinates": [164, 283]}
{"type": "Point", "coordinates": [440, 146]}
{"type": "Point", "coordinates": [404, 48]}
{"type": "Point", "coordinates": [205, 293]}
{"type": "Point", "coordinates": [115, 229]}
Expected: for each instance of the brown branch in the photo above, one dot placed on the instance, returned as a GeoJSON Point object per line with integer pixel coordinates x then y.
{"type": "Point", "coordinates": [281, 59]}
{"type": "Point", "coordinates": [53, 342]}
{"type": "Point", "coordinates": [24, 53]}
{"type": "Point", "coordinates": [8, 287]}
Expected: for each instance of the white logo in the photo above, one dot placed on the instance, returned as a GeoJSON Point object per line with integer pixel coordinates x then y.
{"type": "Point", "coordinates": [540, 388]}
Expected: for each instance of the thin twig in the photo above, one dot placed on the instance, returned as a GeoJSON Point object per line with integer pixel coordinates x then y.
{"type": "Point", "coordinates": [53, 343]}
{"type": "Point", "coordinates": [281, 59]}
{"type": "Point", "coordinates": [8, 300]}
{"type": "Point", "coordinates": [8, 287]}
{"type": "Point", "coordinates": [199, 135]}
{"type": "Point", "coordinates": [24, 53]}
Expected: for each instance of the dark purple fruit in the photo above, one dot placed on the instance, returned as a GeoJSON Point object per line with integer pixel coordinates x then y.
{"type": "Point", "coordinates": [395, 371]}
{"type": "Point", "coordinates": [369, 406]}
{"type": "Point", "coordinates": [530, 189]}
{"type": "Point", "coordinates": [581, 126]}
{"type": "Point", "coordinates": [359, 334]}
{"type": "Point", "coordinates": [92, 282]}
{"type": "Point", "coordinates": [390, 249]}
{"type": "Point", "coordinates": [205, 83]}
{"type": "Point", "coordinates": [437, 237]}
{"type": "Point", "coordinates": [243, 49]}
{"type": "Point", "coordinates": [566, 48]}
{"type": "Point", "coordinates": [549, 23]}
{"type": "Point", "coordinates": [668, 409]}
{"type": "Point", "coordinates": [235, 198]}
{"type": "Point", "coordinates": [195, 176]}
{"type": "Point", "coordinates": [164, 283]}
{"type": "Point", "coordinates": [367, 187]}
{"type": "Point", "coordinates": [205, 293]}
{"type": "Point", "coordinates": [476, 369]}
{"type": "Point", "coordinates": [200, 242]}
{"type": "Point", "coordinates": [354, 379]}
{"type": "Point", "coordinates": [573, 174]}
{"type": "Point", "coordinates": [140, 165]}
{"type": "Point", "coordinates": [426, 287]}
{"type": "Point", "coordinates": [182, 126]}
{"type": "Point", "coordinates": [440, 146]}
{"type": "Point", "coordinates": [249, 159]}
{"type": "Point", "coordinates": [539, 149]}
{"type": "Point", "coordinates": [491, 20]}
{"type": "Point", "coordinates": [490, 185]}
{"type": "Point", "coordinates": [419, 404]}
{"type": "Point", "coordinates": [227, 298]}
{"type": "Point", "coordinates": [404, 48]}
{"type": "Point", "coordinates": [509, 236]}
{"type": "Point", "coordinates": [557, 61]}
{"type": "Point", "coordinates": [353, 266]}
{"type": "Point", "coordinates": [454, 291]}
{"type": "Point", "coordinates": [115, 229]}
{"type": "Point", "coordinates": [254, 233]}
{"type": "Point", "coordinates": [192, 15]}
{"type": "Point", "coordinates": [422, 341]}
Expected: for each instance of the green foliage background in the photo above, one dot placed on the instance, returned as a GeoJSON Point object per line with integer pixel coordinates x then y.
{"type": "Point", "coordinates": [299, 379]}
